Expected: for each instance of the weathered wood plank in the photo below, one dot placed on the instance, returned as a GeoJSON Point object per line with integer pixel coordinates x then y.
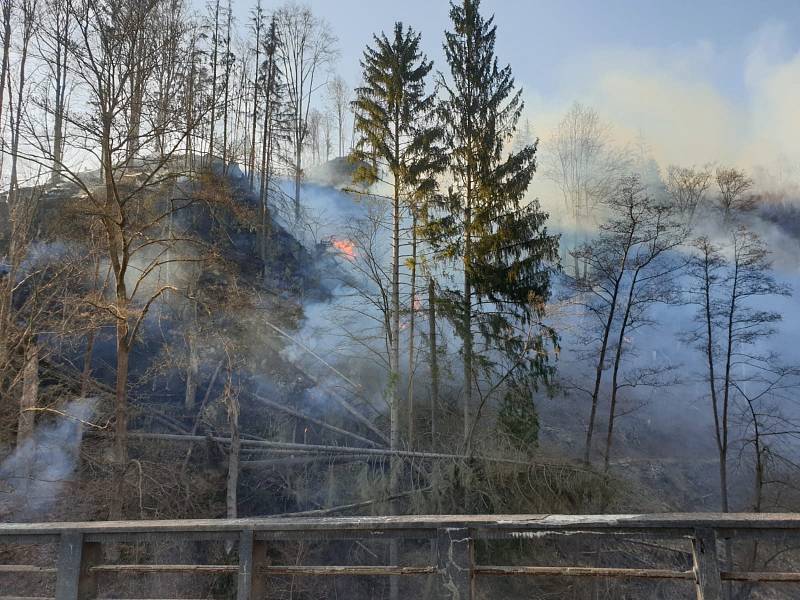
{"type": "Point", "coordinates": [181, 568]}
{"type": "Point", "coordinates": [130, 537]}
{"type": "Point", "coordinates": [69, 565]}
{"type": "Point", "coordinates": [34, 539]}
{"type": "Point", "coordinates": [708, 583]}
{"type": "Point", "coordinates": [760, 576]}
{"type": "Point", "coordinates": [75, 580]}
{"type": "Point", "coordinates": [244, 580]}
{"type": "Point", "coordinates": [259, 587]}
{"type": "Point", "coordinates": [585, 572]}
{"type": "Point", "coordinates": [335, 570]}
{"type": "Point", "coordinates": [26, 569]}
{"type": "Point", "coordinates": [477, 523]}
{"type": "Point", "coordinates": [454, 562]}
{"type": "Point", "coordinates": [79, 555]}
{"type": "Point", "coordinates": [91, 555]}
{"type": "Point", "coordinates": [414, 533]}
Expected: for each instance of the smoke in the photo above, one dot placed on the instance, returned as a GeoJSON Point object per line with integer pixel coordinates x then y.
{"type": "Point", "coordinates": [34, 476]}
{"type": "Point", "coordinates": [675, 99]}
{"type": "Point", "coordinates": [673, 422]}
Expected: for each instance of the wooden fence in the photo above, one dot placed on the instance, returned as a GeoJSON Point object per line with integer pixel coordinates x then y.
{"type": "Point", "coordinates": [80, 558]}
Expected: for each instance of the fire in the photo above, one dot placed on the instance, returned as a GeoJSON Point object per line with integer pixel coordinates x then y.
{"type": "Point", "coordinates": [345, 247]}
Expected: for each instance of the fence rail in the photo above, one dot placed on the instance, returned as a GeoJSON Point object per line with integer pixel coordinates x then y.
{"type": "Point", "coordinates": [80, 557]}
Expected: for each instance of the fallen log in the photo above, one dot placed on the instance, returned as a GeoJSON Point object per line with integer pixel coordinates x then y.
{"type": "Point", "coordinates": [318, 422]}
{"type": "Point", "coordinates": [354, 450]}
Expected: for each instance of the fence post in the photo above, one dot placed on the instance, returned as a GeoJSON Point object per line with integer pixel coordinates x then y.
{"type": "Point", "coordinates": [251, 583]}
{"type": "Point", "coordinates": [454, 562]}
{"type": "Point", "coordinates": [708, 584]}
{"type": "Point", "coordinates": [75, 580]}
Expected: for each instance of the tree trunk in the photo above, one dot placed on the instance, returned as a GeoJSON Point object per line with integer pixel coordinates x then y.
{"type": "Point", "coordinates": [252, 164]}
{"type": "Point", "coordinates": [6, 50]}
{"type": "Point", "coordinates": [340, 123]}
{"type": "Point", "coordinates": [190, 112]}
{"type": "Point", "coordinates": [191, 373]}
{"type": "Point", "coordinates": [758, 488]}
{"type": "Point", "coordinates": [603, 349]}
{"type": "Point", "coordinates": [226, 92]}
{"type": "Point", "coordinates": [723, 464]}
{"type": "Point", "coordinates": [121, 421]}
{"type": "Point", "coordinates": [394, 334]}
{"type": "Point", "coordinates": [263, 202]}
{"type": "Point", "coordinates": [298, 151]}
{"type": "Point", "coordinates": [708, 316]}
{"type": "Point", "coordinates": [17, 220]}
{"type": "Point", "coordinates": [266, 161]}
{"type": "Point", "coordinates": [612, 412]}
{"type": "Point", "coordinates": [394, 375]}
{"type": "Point", "coordinates": [411, 324]}
{"type": "Point", "coordinates": [467, 324]}
{"type": "Point", "coordinates": [234, 453]}
{"type": "Point", "coordinates": [214, 64]}
{"type": "Point", "coordinates": [30, 392]}
{"type": "Point", "coordinates": [238, 120]}
{"type": "Point", "coordinates": [86, 374]}
{"type": "Point", "coordinates": [137, 85]}
{"type": "Point", "coordinates": [7, 302]}
{"type": "Point", "coordinates": [137, 92]}
{"type": "Point", "coordinates": [434, 357]}
{"type": "Point", "coordinates": [61, 85]}
{"type": "Point", "coordinates": [121, 396]}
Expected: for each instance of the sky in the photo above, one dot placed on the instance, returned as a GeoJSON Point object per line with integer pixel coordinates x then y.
{"type": "Point", "coordinates": [700, 81]}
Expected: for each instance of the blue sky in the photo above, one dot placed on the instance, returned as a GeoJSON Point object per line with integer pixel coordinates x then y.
{"type": "Point", "coordinates": [700, 80]}
{"type": "Point", "coordinates": [539, 36]}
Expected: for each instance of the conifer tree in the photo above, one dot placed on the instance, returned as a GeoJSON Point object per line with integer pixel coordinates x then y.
{"type": "Point", "coordinates": [274, 127]}
{"type": "Point", "coordinates": [396, 144]}
{"type": "Point", "coordinates": [501, 242]}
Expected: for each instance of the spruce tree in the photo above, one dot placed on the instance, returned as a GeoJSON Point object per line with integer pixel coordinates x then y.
{"type": "Point", "coordinates": [396, 144]}
{"type": "Point", "coordinates": [500, 242]}
{"type": "Point", "coordinates": [275, 125]}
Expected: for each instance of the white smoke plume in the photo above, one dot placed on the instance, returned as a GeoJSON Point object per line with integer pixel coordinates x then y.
{"type": "Point", "coordinates": [36, 474]}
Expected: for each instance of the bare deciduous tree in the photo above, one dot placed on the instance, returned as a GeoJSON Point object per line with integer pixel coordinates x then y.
{"type": "Point", "coordinates": [686, 187]}
{"type": "Point", "coordinates": [133, 199]}
{"type": "Point", "coordinates": [54, 39]}
{"type": "Point", "coordinates": [19, 213]}
{"type": "Point", "coordinates": [607, 258]}
{"type": "Point", "coordinates": [728, 323]}
{"type": "Point", "coordinates": [339, 94]}
{"type": "Point", "coordinates": [583, 164]}
{"type": "Point", "coordinates": [215, 44]}
{"type": "Point", "coordinates": [650, 281]}
{"type": "Point", "coordinates": [5, 8]}
{"type": "Point", "coordinates": [733, 185]}
{"type": "Point", "coordinates": [228, 63]}
{"type": "Point", "coordinates": [307, 48]}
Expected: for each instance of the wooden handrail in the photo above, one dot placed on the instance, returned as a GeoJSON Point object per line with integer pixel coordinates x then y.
{"type": "Point", "coordinates": [480, 523]}
{"type": "Point", "coordinates": [79, 556]}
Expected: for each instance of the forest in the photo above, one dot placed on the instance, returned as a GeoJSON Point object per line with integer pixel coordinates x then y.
{"type": "Point", "coordinates": [234, 284]}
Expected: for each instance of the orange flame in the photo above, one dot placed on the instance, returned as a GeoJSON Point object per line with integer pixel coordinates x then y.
{"type": "Point", "coordinates": [345, 247]}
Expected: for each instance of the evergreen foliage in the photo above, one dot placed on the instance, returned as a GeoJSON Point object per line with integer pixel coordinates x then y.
{"type": "Point", "coordinates": [396, 140]}
{"type": "Point", "coordinates": [393, 116]}
{"type": "Point", "coordinates": [484, 222]}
